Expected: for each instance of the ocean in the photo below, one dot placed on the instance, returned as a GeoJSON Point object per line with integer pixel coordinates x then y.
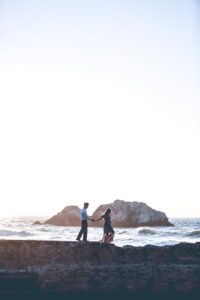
{"type": "Point", "coordinates": [23, 228]}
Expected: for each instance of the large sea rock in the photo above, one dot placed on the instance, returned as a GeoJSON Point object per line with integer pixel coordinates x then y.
{"type": "Point", "coordinates": [69, 216]}
{"type": "Point", "coordinates": [98, 270]}
{"type": "Point", "coordinates": [124, 214]}
{"type": "Point", "coordinates": [133, 214]}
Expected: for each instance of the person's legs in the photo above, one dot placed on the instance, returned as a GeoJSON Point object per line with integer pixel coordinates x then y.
{"type": "Point", "coordinates": [105, 237]}
{"type": "Point", "coordinates": [108, 234]}
{"type": "Point", "coordinates": [112, 230]}
{"type": "Point", "coordinates": [105, 233]}
{"type": "Point", "coordinates": [80, 232]}
{"type": "Point", "coordinates": [105, 229]}
{"type": "Point", "coordinates": [85, 226]}
{"type": "Point", "coordinates": [112, 234]}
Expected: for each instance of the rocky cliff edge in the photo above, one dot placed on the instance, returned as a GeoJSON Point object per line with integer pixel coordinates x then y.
{"type": "Point", "coordinates": [57, 266]}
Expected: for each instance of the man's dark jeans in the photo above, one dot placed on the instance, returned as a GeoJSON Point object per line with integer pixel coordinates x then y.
{"type": "Point", "coordinates": [83, 231]}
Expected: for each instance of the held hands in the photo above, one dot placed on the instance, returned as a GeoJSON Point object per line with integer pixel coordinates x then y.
{"type": "Point", "coordinates": [96, 220]}
{"type": "Point", "coordinates": [93, 220]}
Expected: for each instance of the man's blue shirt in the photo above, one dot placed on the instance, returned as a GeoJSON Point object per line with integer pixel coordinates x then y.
{"type": "Point", "coordinates": [83, 214]}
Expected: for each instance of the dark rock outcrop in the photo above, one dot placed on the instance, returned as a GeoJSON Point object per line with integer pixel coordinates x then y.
{"type": "Point", "coordinates": [63, 267]}
{"type": "Point", "coordinates": [124, 214]}
{"type": "Point", "coordinates": [69, 216]}
{"type": "Point", "coordinates": [133, 214]}
{"type": "Point", "coordinates": [37, 223]}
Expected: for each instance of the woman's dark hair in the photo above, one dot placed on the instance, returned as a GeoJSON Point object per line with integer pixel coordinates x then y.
{"type": "Point", "coordinates": [108, 211]}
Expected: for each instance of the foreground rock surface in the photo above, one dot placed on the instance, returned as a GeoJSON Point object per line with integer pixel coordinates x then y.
{"type": "Point", "coordinates": [124, 214]}
{"type": "Point", "coordinates": [72, 266]}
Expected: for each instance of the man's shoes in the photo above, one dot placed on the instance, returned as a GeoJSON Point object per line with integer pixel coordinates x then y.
{"type": "Point", "coordinates": [81, 241]}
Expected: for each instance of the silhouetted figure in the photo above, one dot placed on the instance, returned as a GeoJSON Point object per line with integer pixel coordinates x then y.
{"type": "Point", "coordinates": [107, 228]}
{"type": "Point", "coordinates": [84, 225]}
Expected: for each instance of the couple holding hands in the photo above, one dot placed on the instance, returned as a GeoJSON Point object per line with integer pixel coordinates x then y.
{"type": "Point", "coordinates": [107, 228]}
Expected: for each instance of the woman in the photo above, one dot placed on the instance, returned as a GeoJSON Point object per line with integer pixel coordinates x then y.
{"type": "Point", "coordinates": [107, 228]}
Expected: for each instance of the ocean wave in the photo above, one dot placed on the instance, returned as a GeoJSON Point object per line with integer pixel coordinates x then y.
{"type": "Point", "coordinates": [5, 232]}
{"type": "Point", "coordinates": [43, 229]}
{"type": "Point", "coordinates": [194, 233]}
{"type": "Point", "coordinates": [25, 233]}
{"type": "Point", "coordinates": [146, 231]}
{"type": "Point", "coordinates": [170, 233]}
{"type": "Point", "coordinates": [122, 232]}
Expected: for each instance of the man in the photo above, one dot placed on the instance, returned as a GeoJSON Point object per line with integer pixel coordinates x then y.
{"type": "Point", "coordinates": [84, 225]}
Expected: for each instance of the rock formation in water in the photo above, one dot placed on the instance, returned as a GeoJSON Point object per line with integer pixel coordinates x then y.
{"type": "Point", "coordinates": [124, 214]}
{"type": "Point", "coordinates": [133, 214]}
{"type": "Point", "coordinates": [79, 267]}
{"type": "Point", "coordinates": [69, 216]}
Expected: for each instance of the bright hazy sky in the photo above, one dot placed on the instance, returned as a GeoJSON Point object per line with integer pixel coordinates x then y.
{"type": "Point", "coordinates": [99, 100]}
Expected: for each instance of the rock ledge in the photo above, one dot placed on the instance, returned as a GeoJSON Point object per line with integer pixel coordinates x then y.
{"type": "Point", "coordinates": [63, 267]}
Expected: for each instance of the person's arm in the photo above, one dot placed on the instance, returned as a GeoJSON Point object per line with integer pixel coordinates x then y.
{"type": "Point", "coordinates": [90, 219]}
{"type": "Point", "coordinates": [100, 218]}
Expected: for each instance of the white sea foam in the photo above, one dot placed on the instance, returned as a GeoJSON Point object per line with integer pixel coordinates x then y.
{"type": "Point", "coordinates": [185, 230]}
